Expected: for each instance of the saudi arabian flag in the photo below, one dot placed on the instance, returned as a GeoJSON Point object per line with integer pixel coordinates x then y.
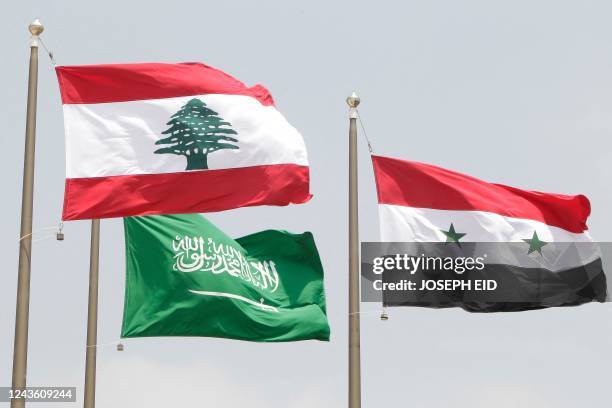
{"type": "Point", "coordinates": [185, 277]}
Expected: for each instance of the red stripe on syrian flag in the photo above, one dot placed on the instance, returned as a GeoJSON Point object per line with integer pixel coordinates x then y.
{"type": "Point", "coordinates": [422, 186]}
{"type": "Point", "coordinates": [185, 192]}
{"type": "Point", "coordinates": [87, 84]}
{"type": "Point", "coordinates": [174, 138]}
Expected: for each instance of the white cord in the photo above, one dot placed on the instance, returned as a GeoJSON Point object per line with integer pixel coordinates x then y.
{"type": "Point", "coordinates": [37, 231]}
{"type": "Point", "coordinates": [49, 53]}
{"type": "Point", "coordinates": [105, 344]}
{"type": "Point", "coordinates": [365, 312]}
{"type": "Point", "coordinates": [364, 131]}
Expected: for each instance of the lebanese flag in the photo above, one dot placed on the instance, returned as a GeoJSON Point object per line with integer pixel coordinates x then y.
{"type": "Point", "coordinates": [549, 259]}
{"type": "Point", "coordinates": [157, 138]}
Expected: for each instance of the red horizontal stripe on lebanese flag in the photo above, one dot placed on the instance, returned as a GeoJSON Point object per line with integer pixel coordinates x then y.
{"type": "Point", "coordinates": [88, 84]}
{"type": "Point", "coordinates": [185, 192]}
{"type": "Point", "coordinates": [420, 185]}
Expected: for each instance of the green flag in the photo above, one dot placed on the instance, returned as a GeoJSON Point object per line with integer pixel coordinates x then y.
{"type": "Point", "coordinates": [185, 277]}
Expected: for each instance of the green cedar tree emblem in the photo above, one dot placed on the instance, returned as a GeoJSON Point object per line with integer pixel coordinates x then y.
{"type": "Point", "coordinates": [196, 131]}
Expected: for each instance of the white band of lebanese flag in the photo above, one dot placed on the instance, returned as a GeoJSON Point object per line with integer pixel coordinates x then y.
{"type": "Point", "coordinates": [147, 139]}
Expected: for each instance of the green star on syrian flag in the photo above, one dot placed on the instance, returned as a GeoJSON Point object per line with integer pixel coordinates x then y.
{"type": "Point", "coordinates": [535, 243]}
{"type": "Point", "coordinates": [452, 235]}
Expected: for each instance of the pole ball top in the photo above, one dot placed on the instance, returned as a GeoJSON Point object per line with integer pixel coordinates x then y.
{"type": "Point", "coordinates": [353, 100]}
{"type": "Point", "coordinates": [36, 27]}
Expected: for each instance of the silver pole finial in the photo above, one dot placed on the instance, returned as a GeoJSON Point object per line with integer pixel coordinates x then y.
{"type": "Point", "coordinates": [353, 100]}
{"type": "Point", "coordinates": [36, 28]}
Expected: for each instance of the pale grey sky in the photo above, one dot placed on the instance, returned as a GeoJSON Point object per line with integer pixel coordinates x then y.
{"type": "Point", "coordinates": [513, 92]}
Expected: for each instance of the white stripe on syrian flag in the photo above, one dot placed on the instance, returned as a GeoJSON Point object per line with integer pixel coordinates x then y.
{"type": "Point", "coordinates": [417, 202]}
{"type": "Point", "coordinates": [399, 223]}
{"type": "Point", "coordinates": [115, 114]}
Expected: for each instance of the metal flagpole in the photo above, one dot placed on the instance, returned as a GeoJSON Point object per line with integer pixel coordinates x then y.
{"type": "Point", "coordinates": [354, 330]}
{"type": "Point", "coordinates": [20, 353]}
{"type": "Point", "coordinates": [89, 399]}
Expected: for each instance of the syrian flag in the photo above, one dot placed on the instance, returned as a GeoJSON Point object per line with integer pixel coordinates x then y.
{"type": "Point", "coordinates": [539, 249]}
{"type": "Point", "coordinates": [174, 138]}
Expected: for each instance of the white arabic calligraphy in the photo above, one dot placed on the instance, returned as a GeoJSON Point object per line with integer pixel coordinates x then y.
{"type": "Point", "coordinates": [197, 254]}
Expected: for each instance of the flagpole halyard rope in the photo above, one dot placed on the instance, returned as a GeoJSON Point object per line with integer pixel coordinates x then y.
{"type": "Point", "coordinates": [59, 234]}
{"type": "Point", "coordinates": [35, 232]}
{"type": "Point", "coordinates": [104, 344]}
{"type": "Point", "coordinates": [365, 134]}
{"type": "Point", "coordinates": [384, 316]}
{"type": "Point", "coordinates": [49, 53]}
{"type": "Point", "coordinates": [365, 312]}
{"type": "Point", "coordinates": [42, 239]}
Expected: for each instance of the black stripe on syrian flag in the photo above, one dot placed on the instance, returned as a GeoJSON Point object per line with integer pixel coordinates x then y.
{"type": "Point", "coordinates": [519, 289]}
{"type": "Point", "coordinates": [424, 203]}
